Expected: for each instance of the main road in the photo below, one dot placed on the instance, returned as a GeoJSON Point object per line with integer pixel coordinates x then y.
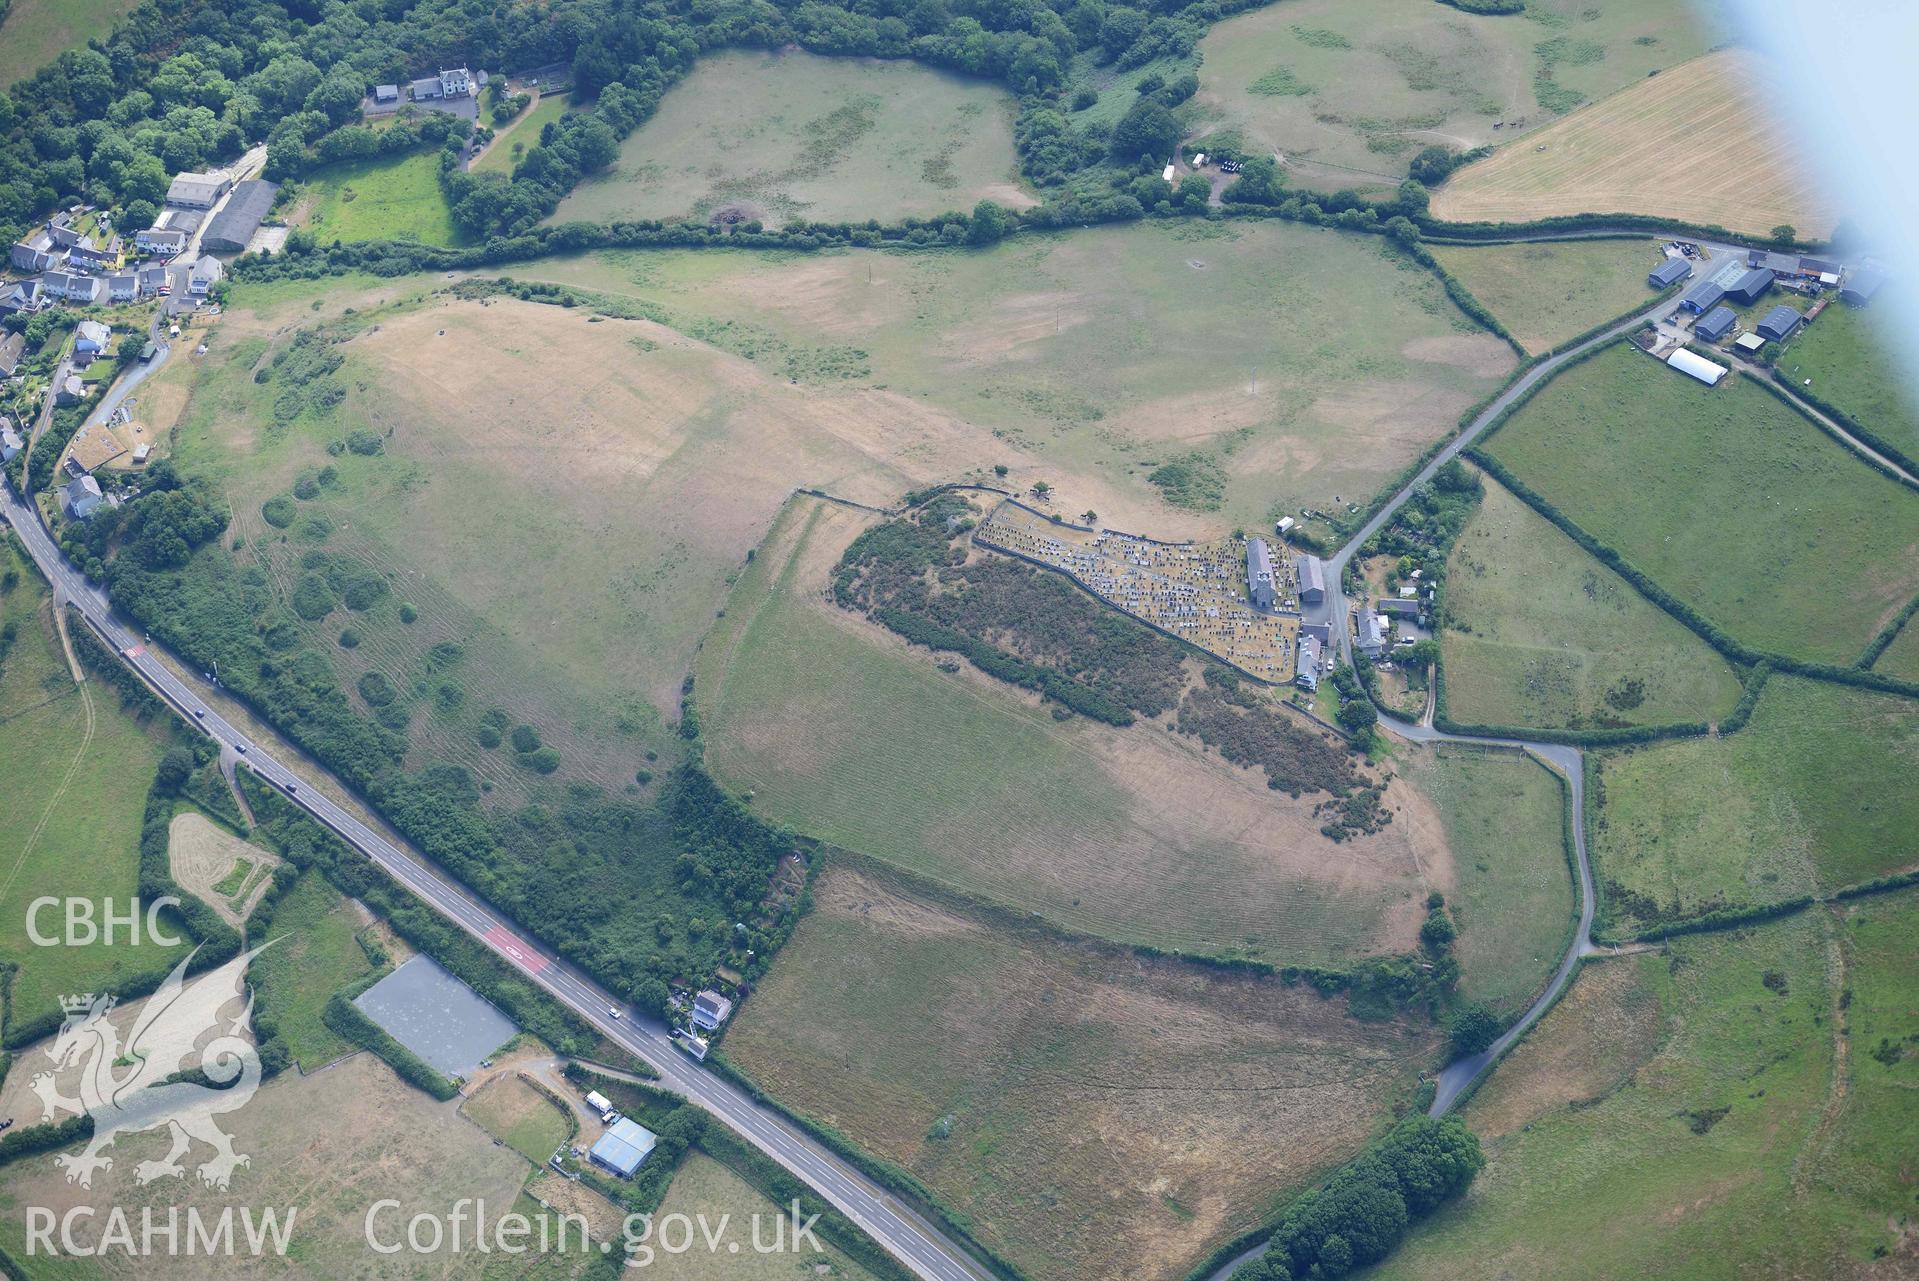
{"type": "Point", "coordinates": [926, 1251]}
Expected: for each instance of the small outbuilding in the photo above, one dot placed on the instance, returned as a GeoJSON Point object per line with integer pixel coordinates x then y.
{"type": "Point", "coordinates": [1749, 342]}
{"type": "Point", "coordinates": [1669, 273]}
{"type": "Point", "coordinates": [386, 94]}
{"type": "Point", "coordinates": [624, 1147]}
{"type": "Point", "coordinates": [1697, 366]}
{"type": "Point", "coordinates": [1715, 324]}
{"type": "Point", "coordinates": [1778, 324]}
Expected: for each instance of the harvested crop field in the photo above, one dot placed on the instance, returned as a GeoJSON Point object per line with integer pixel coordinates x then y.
{"type": "Point", "coordinates": [1548, 292]}
{"type": "Point", "coordinates": [1093, 1113]}
{"type": "Point", "coordinates": [1695, 143]}
{"type": "Point", "coordinates": [1542, 635]}
{"type": "Point", "coordinates": [837, 727]}
{"type": "Point", "coordinates": [1807, 551]}
{"type": "Point", "coordinates": [215, 865]}
{"type": "Point", "coordinates": [1748, 1115]}
{"type": "Point", "coordinates": [1811, 796]}
{"type": "Point", "coordinates": [774, 136]}
{"type": "Point", "coordinates": [703, 1186]}
{"type": "Point", "coordinates": [1349, 91]}
{"type": "Point", "coordinates": [1094, 358]}
{"type": "Point", "coordinates": [401, 1145]}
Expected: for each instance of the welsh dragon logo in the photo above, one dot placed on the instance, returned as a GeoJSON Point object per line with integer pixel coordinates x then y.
{"type": "Point", "coordinates": [121, 1085]}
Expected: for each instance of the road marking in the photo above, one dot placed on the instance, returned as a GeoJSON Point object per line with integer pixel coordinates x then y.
{"type": "Point", "coordinates": [508, 944]}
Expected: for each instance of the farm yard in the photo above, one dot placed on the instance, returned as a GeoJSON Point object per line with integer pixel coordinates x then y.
{"type": "Point", "coordinates": [1807, 550]}
{"type": "Point", "coordinates": [775, 136]}
{"type": "Point", "coordinates": [1511, 894]}
{"type": "Point", "coordinates": [1097, 359]}
{"type": "Point", "coordinates": [1542, 635]}
{"type": "Point", "coordinates": [1809, 797]}
{"type": "Point", "coordinates": [1197, 592]}
{"type": "Point", "coordinates": [77, 771]}
{"type": "Point", "coordinates": [390, 198]}
{"type": "Point", "coordinates": [1546, 293]}
{"type": "Point", "coordinates": [1694, 143]}
{"type": "Point", "coordinates": [1091, 1112]}
{"type": "Point", "coordinates": [1348, 91]}
{"type": "Point", "coordinates": [834, 726]}
{"type": "Point", "coordinates": [1744, 1106]}
{"type": "Point", "coordinates": [1849, 357]}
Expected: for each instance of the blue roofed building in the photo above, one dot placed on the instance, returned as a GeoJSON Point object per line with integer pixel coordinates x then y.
{"type": "Point", "coordinates": [1753, 284]}
{"type": "Point", "coordinates": [1778, 324]}
{"type": "Point", "coordinates": [1669, 272]}
{"type": "Point", "coordinates": [1715, 324]}
{"type": "Point", "coordinates": [1702, 297]}
{"type": "Point", "coordinates": [624, 1147]}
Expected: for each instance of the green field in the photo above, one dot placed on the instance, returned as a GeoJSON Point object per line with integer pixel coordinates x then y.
{"type": "Point", "coordinates": [523, 134]}
{"type": "Point", "coordinates": [1814, 794]}
{"type": "Point", "coordinates": [1901, 658]}
{"type": "Point", "coordinates": [1093, 358]}
{"type": "Point", "coordinates": [76, 773]}
{"type": "Point", "coordinates": [1849, 358]}
{"type": "Point", "coordinates": [1541, 634]}
{"type": "Point", "coordinates": [1757, 1124]}
{"type": "Point", "coordinates": [702, 1186]}
{"type": "Point", "coordinates": [1547, 293]}
{"type": "Point", "coordinates": [317, 954]}
{"type": "Point", "coordinates": [1091, 1112]}
{"type": "Point", "coordinates": [1512, 895]}
{"type": "Point", "coordinates": [1726, 498]}
{"type": "Point", "coordinates": [791, 134]}
{"type": "Point", "coordinates": [1348, 91]}
{"type": "Point", "coordinates": [519, 1116]}
{"type": "Point", "coordinates": [35, 32]}
{"type": "Point", "coordinates": [832, 726]}
{"type": "Point", "coordinates": [392, 198]}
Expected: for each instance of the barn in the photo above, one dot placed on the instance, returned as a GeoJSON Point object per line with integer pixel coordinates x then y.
{"type": "Point", "coordinates": [235, 224]}
{"type": "Point", "coordinates": [1668, 273]}
{"type": "Point", "coordinates": [1715, 324]}
{"type": "Point", "coordinates": [624, 1147]}
{"type": "Point", "coordinates": [1778, 324]}
{"type": "Point", "coordinates": [1697, 366]}
{"type": "Point", "coordinates": [1702, 297]}
{"type": "Point", "coordinates": [1862, 284]}
{"type": "Point", "coordinates": [1751, 286]}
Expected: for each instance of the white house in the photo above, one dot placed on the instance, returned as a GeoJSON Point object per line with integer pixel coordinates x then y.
{"type": "Point", "coordinates": [710, 1009]}
{"type": "Point", "coordinates": [82, 495]}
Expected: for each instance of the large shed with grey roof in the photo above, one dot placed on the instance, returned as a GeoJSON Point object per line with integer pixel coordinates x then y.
{"type": "Point", "coordinates": [1752, 285]}
{"type": "Point", "coordinates": [1862, 284]}
{"type": "Point", "coordinates": [1312, 580]}
{"type": "Point", "coordinates": [1715, 324]}
{"type": "Point", "coordinates": [1702, 297]}
{"type": "Point", "coordinates": [1669, 272]}
{"type": "Point", "coordinates": [239, 218]}
{"type": "Point", "coordinates": [1778, 324]}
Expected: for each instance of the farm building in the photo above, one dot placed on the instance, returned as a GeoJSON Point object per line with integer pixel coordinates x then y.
{"type": "Point", "coordinates": [1697, 366]}
{"type": "Point", "coordinates": [1751, 286]}
{"type": "Point", "coordinates": [1702, 297]}
{"type": "Point", "coordinates": [1749, 342]}
{"type": "Point", "coordinates": [624, 1147]}
{"type": "Point", "coordinates": [1862, 285]}
{"type": "Point", "coordinates": [1312, 580]}
{"type": "Point", "coordinates": [1715, 324]}
{"type": "Point", "coordinates": [386, 94]}
{"type": "Point", "coordinates": [710, 1009]}
{"type": "Point", "coordinates": [1779, 323]}
{"type": "Point", "coordinates": [81, 496]}
{"type": "Point", "coordinates": [1398, 607]}
{"type": "Point", "coordinates": [235, 224]}
{"type": "Point", "coordinates": [1259, 574]}
{"type": "Point", "coordinates": [198, 190]}
{"type": "Point", "coordinates": [1308, 665]}
{"type": "Point", "coordinates": [1668, 273]}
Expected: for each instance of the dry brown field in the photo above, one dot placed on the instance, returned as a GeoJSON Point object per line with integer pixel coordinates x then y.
{"type": "Point", "coordinates": [1695, 143]}
{"type": "Point", "coordinates": [1092, 1112]}
{"type": "Point", "coordinates": [200, 853]}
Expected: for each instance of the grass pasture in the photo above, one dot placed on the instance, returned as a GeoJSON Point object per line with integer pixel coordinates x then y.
{"type": "Point", "coordinates": [1091, 1112]}
{"type": "Point", "coordinates": [1543, 635]}
{"type": "Point", "coordinates": [317, 953]}
{"type": "Point", "coordinates": [1095, 357]}
{"type": "Point", "coordinates": [1512, 892]}
{"type": "Point", "coordinates": [519, 1116]}
{"type": "Point", "coordinates": [703, 1186]}
{"type": "Point", "coordinates": [388, 198]}
{"type": "Point", "coordinates": [1901, 658]}
{"type": "Point", "coordinates": [1548, 292]}
{"type": "Point", "coordinates": [76, 773]}
{"type": "Point", "coordinates": [1848, 355]}
{"type": "Point", "coordinates": [1694, 143]}
{"type": "Point", "coordinates": [35, 32]}
{"type": "Point", "coordinates": [1811, 796]}
{"type": "Point", "coordinates": [837, 728]}
{"type": "Point", "coordinates": [1726, 498]}
{"type": "Point", "coordinates": [789, 134]}
{"type": "Point", "coordinates": [522, 134]}
{"type": "Point", "coordinates": [1348, 91]}
{"type": "Point", "coordinates": [1738, 1115]}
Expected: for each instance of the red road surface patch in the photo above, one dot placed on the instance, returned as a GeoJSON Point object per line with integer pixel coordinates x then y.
{"type": "Point", "coordinates": [508, 943]}
{"type": "Point", "coordinates": [136, 651]}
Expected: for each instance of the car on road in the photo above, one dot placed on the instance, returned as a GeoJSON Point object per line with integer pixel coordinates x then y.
{"type": "Point", "coordinates": [200, 713]}
{"type": "Point", "coordinates": [240, 748]}
{"type": "Point", "coordinates": [614, 1010]}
